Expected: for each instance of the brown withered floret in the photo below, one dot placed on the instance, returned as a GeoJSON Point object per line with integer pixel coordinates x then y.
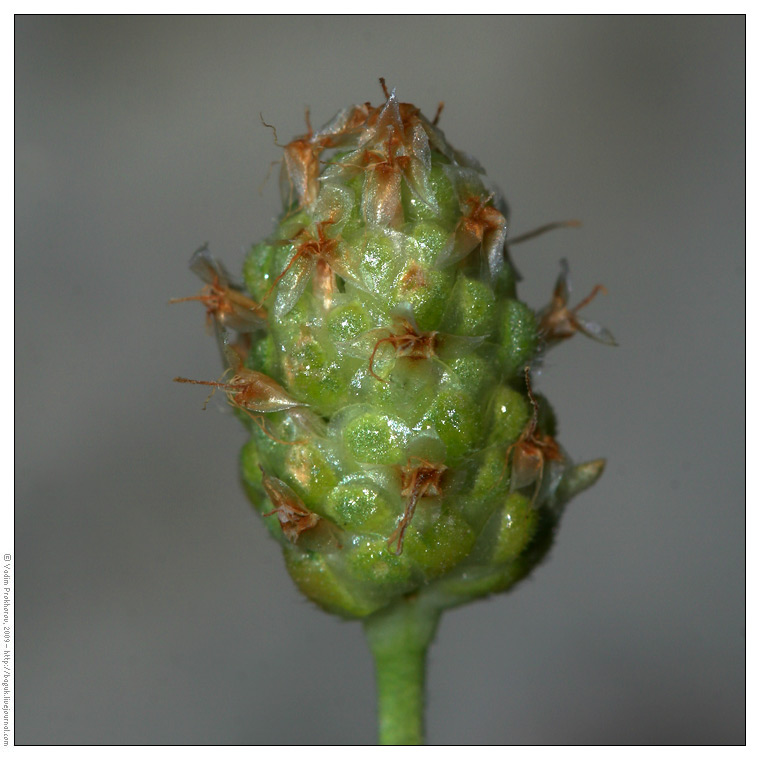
{"type": "Point", "coordinates": [393, 148]}
{"type": "Point", "coordinates": [557, 321]}
{"type": "Point", "coordinates": [253, 392]}
{"type": "Point", "coordinates": [409, 342]}
{"type": "Point", "coordinates": [480, 221]}
{"type": "Point", "coordinates": [225, 304]}
{"type": "Point", "coordinates": [481, 229]}
{"type": "Point", "coordinates": [383, 171]}
{"type": "Point", "coordinates": [301, 160]}
{"type": "Point", "coordinates": [384, 165]}
{"type": "Point", "coordinates": [417, 481]}
{"type": "Point", "coordinates": [531, 451]}
{"type": "Point", "coordinates": [316, 255]}
{"type": "Point", "coordinates": [293, 515]}
{"type": "Point", "coordinates": [298, 523]}
{"type": "Point", "coordinates": [348, 126]}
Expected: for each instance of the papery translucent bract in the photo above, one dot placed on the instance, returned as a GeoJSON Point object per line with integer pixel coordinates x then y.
{"type": "Point", "coordinates": [387, 124]}
{"type": "Point", "coordinates": [345, 126]}
{"type": "Point", "coordinates": [439, 143]}
{"type": "Point", "coordinates": [333, 207]}
{"type": "Point", "coordinates": [291, 283]}
{"type": "Point", "coordinates": [417, 174]}
{"type": "Point", "coordinates": [382, 196]}
{"type": "Point", "coordinates": [481, 226]}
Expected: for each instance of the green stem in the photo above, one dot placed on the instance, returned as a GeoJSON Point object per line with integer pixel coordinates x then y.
{"type": "Point", "coordinates": [399, 638]}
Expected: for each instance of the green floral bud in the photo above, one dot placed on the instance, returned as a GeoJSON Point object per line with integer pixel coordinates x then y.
{"type": "Point", "coordinates": [379, 358]}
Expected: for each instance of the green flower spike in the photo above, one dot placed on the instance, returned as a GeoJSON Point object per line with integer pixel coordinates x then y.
{"type": "Point", "coordinates": [379, 358]}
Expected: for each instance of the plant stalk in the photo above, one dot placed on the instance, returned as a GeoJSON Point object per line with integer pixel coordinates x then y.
{"type": "Point", "coordinates": [399, 638]}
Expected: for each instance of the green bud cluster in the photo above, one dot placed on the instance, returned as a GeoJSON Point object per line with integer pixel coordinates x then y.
{"type": "Point", "coordinates": [380, 359]}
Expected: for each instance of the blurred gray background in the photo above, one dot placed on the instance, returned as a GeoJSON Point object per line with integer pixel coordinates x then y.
{"type": "Point", "coordinates": [151, 605]}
